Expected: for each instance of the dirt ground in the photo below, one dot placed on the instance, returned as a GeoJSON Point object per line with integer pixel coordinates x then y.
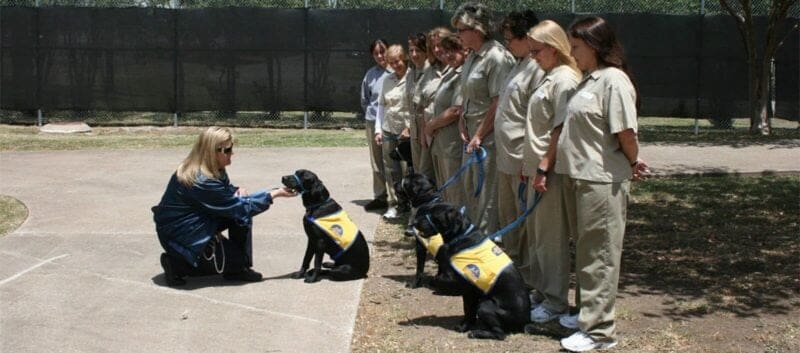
{"type": "Point", "coordinates": [395, 318]}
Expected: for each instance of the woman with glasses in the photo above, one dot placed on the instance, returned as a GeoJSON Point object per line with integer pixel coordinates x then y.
{"type": "Point", "coordinates": [548, 243]}
{"type": "Point", "coordinates": [446, 143]}
{"type": "Point", "coordinates": [509, 133]}
{"type": "Point", "coordinates": [596, 158]}
{"type": "Point", "coordinates": [199, 203]}
{"type": "Point", "coordinates": [483, 76]}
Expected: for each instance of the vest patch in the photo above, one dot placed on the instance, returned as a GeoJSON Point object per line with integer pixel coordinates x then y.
{"type": "Point", "coordinates": [340, 228]}
{"type": "Point", "coordinates": [481, 264]}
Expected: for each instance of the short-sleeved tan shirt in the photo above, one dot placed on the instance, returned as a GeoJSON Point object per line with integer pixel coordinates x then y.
{"type": "Point", "coordinates": [483, 77]}
{"type": "Point", "coordinates": [546, 110]}
{"type": "Point", "coordinates": [447, 141]}
{"type": "Point", "coordinates": [603, 104]}
{"type": "Point", "coordinates": [397, 113]}
{"type": "Point", "coordinates": [512, 107]}
{"type": "Point", "coordinates": [427, 87]}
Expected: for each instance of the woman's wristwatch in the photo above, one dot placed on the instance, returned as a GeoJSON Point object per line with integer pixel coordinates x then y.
{"type": "Point", "coordinates": [540, 171]}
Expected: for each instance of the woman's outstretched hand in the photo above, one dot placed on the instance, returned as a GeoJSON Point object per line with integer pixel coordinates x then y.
{"type": "Point", "coordinates": [282, 192]}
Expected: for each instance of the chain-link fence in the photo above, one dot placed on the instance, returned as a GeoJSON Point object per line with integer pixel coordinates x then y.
{"type": "Point", "coordinates": [668, 7]}
{"type": "Point", "coordinates": [323, 119]}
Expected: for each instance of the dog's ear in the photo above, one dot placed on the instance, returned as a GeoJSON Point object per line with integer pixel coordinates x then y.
{"type": "Point", "coordinates": [450, 220]}
{"type": "Point", "coordinates": [307, 178]}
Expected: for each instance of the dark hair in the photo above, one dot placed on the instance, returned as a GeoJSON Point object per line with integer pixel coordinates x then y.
{"type": "Point", "coordinates": [598, 35]}
{"type": "Point", "coordinates": [518, 23]}
{"type": "Point", "coordinates": [451, 41]}
{"type": "Point", "coordinates": [420, 41]}
{"type": "Point", "coordinates": [377, 42]}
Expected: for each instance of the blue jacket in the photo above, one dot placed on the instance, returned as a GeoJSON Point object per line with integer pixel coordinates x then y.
{"type": "Point", "coordinates": [188, 217]}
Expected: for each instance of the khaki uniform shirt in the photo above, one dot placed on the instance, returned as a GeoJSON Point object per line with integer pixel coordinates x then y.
{"type": "Point", "coordinates": [603, 105]}
{"type": "Point", "coordinates": [447, 141]}
{"type": "Point", "coordinates": [484, 74]}
{"type": "Point", "coordinates": [512, 111]}
{"type": "Point", "coordinates": [397, 115]}
{"type": "Point", "coordinates": [411, 89]}
{"type": "Point", "coordinates": [427, 87]}
{"type": "Point", "coordinates": [546, 110]}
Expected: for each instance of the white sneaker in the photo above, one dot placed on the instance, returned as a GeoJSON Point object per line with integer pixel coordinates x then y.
{"type": "Point", "coordinates": [581, 342]}
{"type": "Point", "coordinates": [569, 321]}
{"type": "Point", "coordinates": [391, 213]}
{"type": "Point", "coordinates": [542, 314]}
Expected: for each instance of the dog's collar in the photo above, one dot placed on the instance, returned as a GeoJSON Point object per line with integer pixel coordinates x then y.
{"type": "Point", "coordinates": [433, 200]}
{"type": "Point", "coordinates": [315, 206]}
{"type": "Point", "coordinates": [462, 235]}
{"type": "Point", "coordinates": [299, 184]}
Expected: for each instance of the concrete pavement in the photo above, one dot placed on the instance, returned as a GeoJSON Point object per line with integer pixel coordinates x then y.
{"type": "Point", "coordinates": [82, 273]}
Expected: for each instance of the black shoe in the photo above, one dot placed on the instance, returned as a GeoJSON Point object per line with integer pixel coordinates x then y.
{"type": "Point", "coordinates": [246, 275]}
{"type": "Point", "coordinates": [410, 231]}
{"type": "Point", "coordinates": [375, 205]}
{"type": "Point", "coordinates": [172, 279]}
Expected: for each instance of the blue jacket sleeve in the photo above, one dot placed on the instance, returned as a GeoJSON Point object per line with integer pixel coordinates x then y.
{"type": "Point", "coordinates": [216, 197]}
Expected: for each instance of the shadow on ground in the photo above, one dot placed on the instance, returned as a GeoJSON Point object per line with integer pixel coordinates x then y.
{"type": "Point", "coordinates": [720, 244]}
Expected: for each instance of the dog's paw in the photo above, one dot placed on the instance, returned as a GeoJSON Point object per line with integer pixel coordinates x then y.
{"type": "Point", "coordinates": [484, 334]}
{"type": "Point", "coordinates": [416, 282]}
{"type": "Point", "coordinates": [299, 274]}
{"type": "Point", "coordinates": [311, 277]}
{"type": "Point", "coordinates": [462, 327]}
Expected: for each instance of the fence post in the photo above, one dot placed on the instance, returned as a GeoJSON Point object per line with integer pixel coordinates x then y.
{"type": "Point", "coordinates": [699, 67]}
{"type": "Point", "coordinates": [39, 118]}
{"type": "Point", "coordinates": [175, 5]}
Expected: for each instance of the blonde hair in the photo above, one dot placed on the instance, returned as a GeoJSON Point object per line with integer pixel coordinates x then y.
{"type": "Point", "coordinates": [550, 33]}
{"type": "Point", "coordinates": [396, 50]}
{"type": "Point", "coordinates": [203, 158]}
{"type": "Point", "coordinates": [438, 32]}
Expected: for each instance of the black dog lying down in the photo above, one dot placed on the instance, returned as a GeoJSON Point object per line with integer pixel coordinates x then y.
{"type": "Point", "coordinates": [494, 293]}
{"type": "Point", "coordinates": [419, 190]}
{"type": "Point", "coordinates": [330, 231]}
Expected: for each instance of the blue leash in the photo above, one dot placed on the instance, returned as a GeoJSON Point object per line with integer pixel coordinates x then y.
{"type": "Point", "coordinates": [475, 158]}
{"type": "Point", "coordinates": [498, 236]}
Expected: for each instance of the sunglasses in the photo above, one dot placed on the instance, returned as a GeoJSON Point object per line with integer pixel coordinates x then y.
{"type": "Point", "coordinates": [225, 150]}
{"type": "Point", "coordinates": [464, 29]}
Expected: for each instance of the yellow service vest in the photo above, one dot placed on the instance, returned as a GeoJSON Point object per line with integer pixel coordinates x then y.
{"type": "Point", "coordinates": [481, 264]}
{"type": "Point", "coordinates": [432, 244]}
{"type": "Point", "coordinates": [340, 228]}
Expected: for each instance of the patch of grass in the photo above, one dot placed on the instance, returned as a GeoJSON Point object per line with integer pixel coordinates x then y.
{"type": "Point", "coordinates": [28, 138]}
{"type": "Point", "coordinates": [682, 130]}
{"type": "Point", "coordinates": [733, 241]}
{"type": "Point", "coordinates": [12, 214]}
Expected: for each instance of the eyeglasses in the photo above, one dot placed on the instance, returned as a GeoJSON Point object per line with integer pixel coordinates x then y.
{"type": "Point", "coordinates": [464, 29]}
{"type": "Point", "coordinates": [225, 150]}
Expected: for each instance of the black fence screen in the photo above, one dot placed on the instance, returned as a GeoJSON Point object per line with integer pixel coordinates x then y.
{"type": "Point", "coordinates": [261, 59]}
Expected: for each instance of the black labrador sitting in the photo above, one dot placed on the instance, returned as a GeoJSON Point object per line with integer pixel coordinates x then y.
{"type": "Point", "coordinates": [419, 190]}
{"type": "Point", "coordinates": [330, 231]}
{"type": "Point", "coordinates": [494, 294]}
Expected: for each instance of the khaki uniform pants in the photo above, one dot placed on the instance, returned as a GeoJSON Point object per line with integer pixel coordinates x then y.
{"type": "Point", "coordinates": [393, 170]}
{"type": "Point", "coordinates": [444, 168]}
{"type": "Point", "coordinates": [548, 238]}
{"type": "Point", "coordinates": [516, 241]}
{"type": "Point", "coordinates": [597, 213]}
{"type": "Point", "coordinates": [482, 210]}
{"type": "Point", "coordinates": [376, 162]}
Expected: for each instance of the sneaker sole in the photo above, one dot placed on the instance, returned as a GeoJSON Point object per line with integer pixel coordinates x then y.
{"type": "Point", "coordinates": [600, 346]}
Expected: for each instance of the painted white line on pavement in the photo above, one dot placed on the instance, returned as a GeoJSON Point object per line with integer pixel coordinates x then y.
{"type": "Point", "coordinates": [29, 269]}
{"type": "Point", "coordinates": [212, 300]}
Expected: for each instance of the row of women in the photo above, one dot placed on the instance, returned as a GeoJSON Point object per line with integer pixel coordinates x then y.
{"type": "Point", "coordinates": [556, 113]}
